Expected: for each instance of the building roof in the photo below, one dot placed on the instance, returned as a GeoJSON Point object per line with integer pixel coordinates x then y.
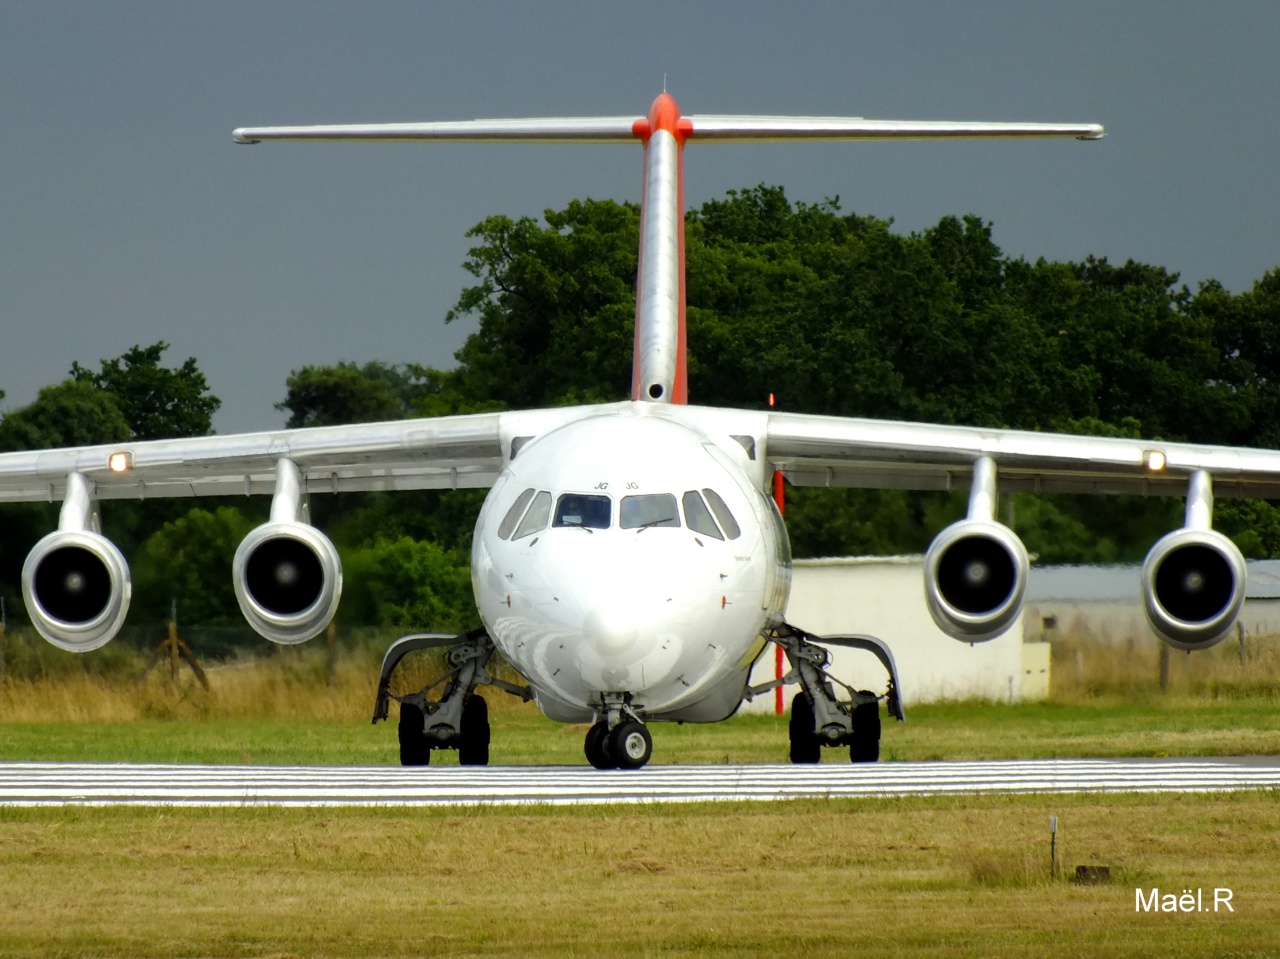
{"type": "Point", "coordinates": [1124, 583]}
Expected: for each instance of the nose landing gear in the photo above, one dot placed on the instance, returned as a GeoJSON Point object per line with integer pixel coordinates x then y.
{"type": "Point", "coordinates": [620, 742]}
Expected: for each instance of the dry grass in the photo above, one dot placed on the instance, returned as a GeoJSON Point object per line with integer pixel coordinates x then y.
{"type": "Point", "coordinates": [306, 683]}
{"type": "Point", "coordinates": [1086, 668]}
{"type": "Point", "coordinates": [944, 877]}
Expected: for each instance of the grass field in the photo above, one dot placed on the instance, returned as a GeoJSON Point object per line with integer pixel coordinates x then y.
{"type": "Point", "coordinates": [950, 877]}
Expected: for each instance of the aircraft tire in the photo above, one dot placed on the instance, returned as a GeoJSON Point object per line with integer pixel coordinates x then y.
{"type": "Point", "coordinates": [864, 746]}
{"type": "Point", "coordinates": [414, 750]}
{"type": "Point", "coordinates": [629, 745]}
{"type": "Point", "coordinates": [805, 747]}
{"type": "Point", "coordinates": [597, 747]}
{"type": "Point", "coordinates": [473, 743]}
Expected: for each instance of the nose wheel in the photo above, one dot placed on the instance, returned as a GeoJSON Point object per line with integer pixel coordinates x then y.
{"type": "Point", "coordinates": [627, 746]}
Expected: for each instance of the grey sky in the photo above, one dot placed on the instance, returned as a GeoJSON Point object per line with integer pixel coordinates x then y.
{"type": "Point", "coordinates": [129, 215]}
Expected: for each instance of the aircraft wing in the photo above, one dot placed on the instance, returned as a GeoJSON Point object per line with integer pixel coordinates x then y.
{"type": "Point", "coordinates": [436, 453]}
{"type": "Point", "coordinates": [885, 454]}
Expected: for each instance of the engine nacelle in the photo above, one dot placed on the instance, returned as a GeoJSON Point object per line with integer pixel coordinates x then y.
{"type": "Point", "coordinates": [288, 580]}
{"type": "Point", "coordinates": [975, 575]}
{"type": "Point", "coordinates": [1193, 584]}
{"type": "Point", "coordinates": [76, 586]}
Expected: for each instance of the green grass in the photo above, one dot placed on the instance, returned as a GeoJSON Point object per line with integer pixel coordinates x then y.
{"type": "Point", "coordinates": [521, 735]}
{"type": "Point", "coordinates": [939, 877]}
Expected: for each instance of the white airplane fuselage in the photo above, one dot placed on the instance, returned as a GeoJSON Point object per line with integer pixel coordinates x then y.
{"type": "Point", "coordinates": [603, 565]}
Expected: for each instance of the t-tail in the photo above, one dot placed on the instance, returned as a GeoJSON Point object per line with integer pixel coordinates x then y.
{"type": "Point", "coordinates": [659, 368]}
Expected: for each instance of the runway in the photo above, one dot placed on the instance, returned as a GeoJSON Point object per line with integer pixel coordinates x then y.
{"type": "Point", "coordinates": [58, 784]}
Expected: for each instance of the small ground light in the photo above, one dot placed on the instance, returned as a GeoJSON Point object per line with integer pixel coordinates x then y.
{"type": "Point", "coordinates": [120, 462]}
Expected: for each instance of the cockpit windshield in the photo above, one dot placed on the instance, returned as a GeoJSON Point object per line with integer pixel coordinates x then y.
{"type": "Point", "coordinates": [585, 510]}
{"type": "Point", "coordinates": [648, 510]}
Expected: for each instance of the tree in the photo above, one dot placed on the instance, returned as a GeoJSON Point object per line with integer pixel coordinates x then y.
{"type": "Point", "coordinates": [555, 306]}
{"type": "Point", "coordinates": [71, 413]}
{"type": "Point", "coordinates": [408, 584]}
{"type": "Point", "coordinates": [347, 393]}
{"type": "Point", "coordinates": [157, 402]}
{"type": "Point", "coordinates": [189, 560]}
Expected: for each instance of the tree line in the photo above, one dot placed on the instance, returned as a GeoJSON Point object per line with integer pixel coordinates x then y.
{"type": "Point", "coordinates": [831, 312]}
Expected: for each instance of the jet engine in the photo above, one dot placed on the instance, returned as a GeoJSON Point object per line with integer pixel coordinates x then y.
{"type": "Point", "coordinates": [286, 573]}
{"type": "Point", "coordinates": [75, 582]}
{"type": "Point", "coordinates": [975, 572]}
{"type": "Point", "coordinates": [1193, 580]}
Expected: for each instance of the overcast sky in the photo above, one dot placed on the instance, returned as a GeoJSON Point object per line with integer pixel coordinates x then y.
{"type": "Point", "coordinates": [129, 216]}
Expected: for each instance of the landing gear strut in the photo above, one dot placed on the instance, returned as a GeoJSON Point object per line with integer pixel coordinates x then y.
{"type": "Point", "coordinates": [620, 741]}
{"type": "Point", "coordinates": [459, 718]}
{"type": "Point", "coordinates": [818, 718]}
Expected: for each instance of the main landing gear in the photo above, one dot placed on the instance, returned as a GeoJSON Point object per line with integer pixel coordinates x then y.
{"type": "Point", "coordinates": [459, 718]}
{"type": "Point", "coordinates": [818, 717]}
{"type": "Point", "coordinates": [621, 740]}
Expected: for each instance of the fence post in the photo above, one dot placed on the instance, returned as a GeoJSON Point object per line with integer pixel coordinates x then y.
{"type": "Point", "coordinates": [331, 653]}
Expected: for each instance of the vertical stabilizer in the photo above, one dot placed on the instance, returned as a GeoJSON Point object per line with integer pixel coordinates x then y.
{"type": "Point", "coordinates": [659, 371]}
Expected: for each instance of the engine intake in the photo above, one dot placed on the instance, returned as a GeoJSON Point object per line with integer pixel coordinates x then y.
{"type": "Point", "coordinates": [75, 582]}
{"type": "Point", "coordinates": [1193, 584]}
{"type": "Point", "coordinates": [286, 573]}
{"type": "Point", "coordinates": [975, 577]}
{"type": "Point", "coordinates": [288, 580]}
{"type": "Point", "coordinates": [975, 572]}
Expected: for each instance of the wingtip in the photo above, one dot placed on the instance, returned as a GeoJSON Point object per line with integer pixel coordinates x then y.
{"type": "Point", "coordinates": [240, 135]}
{"type": "Point", "coordinates": [1097, 132]}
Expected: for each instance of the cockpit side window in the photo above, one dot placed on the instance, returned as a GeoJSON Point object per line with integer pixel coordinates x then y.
{"type": "Point", "coordinates": [698, 516]}
{"type": "Point", "coordinates": [513, 515]}
{"type": "Point", "coordinates": [648, 510]}
{"type": "Point", "coordinates": [721, 509]}
{"type": "Point", "coordinates": [536, 518]}
{"type": "Point", "coordinates": [584, 509]}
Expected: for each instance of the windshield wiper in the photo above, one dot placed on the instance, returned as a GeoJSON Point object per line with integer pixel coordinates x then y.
{"type": "Point", "coordinates": [657, 522]}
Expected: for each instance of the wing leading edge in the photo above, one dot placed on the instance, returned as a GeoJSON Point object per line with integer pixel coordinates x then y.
{"type": "Point", "coordinates": [438, 453]}
{"type": "Point", "coordinates": [850, 452]}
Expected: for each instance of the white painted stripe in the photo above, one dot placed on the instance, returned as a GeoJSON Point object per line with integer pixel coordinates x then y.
{"type": "Point", "coordinates": [39, 784]}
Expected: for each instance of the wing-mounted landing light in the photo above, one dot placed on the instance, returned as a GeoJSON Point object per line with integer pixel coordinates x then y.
{"type": "Point", "coordinates": [1193, 580]}
{"type": "Point", "coordinates": [976, 570]}
{"type": "Point", "coordinates": [75, 581]}
{"type": "Point", "coordinates": [287, 575]}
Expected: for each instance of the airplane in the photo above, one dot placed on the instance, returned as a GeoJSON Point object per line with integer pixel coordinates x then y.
{"type": "Point", "coordinates": [630, 561]}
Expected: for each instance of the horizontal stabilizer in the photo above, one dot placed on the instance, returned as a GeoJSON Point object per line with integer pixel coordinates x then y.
{"type": "Point", "coordinates": [856, 128]}
{"type": "Point", "coordinates": [551, 130]}
{"type": "Point", "coordinates": [623, 130]}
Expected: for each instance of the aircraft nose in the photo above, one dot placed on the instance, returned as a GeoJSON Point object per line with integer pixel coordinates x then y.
{"type": "Point", "coordinates": [612, 629]}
